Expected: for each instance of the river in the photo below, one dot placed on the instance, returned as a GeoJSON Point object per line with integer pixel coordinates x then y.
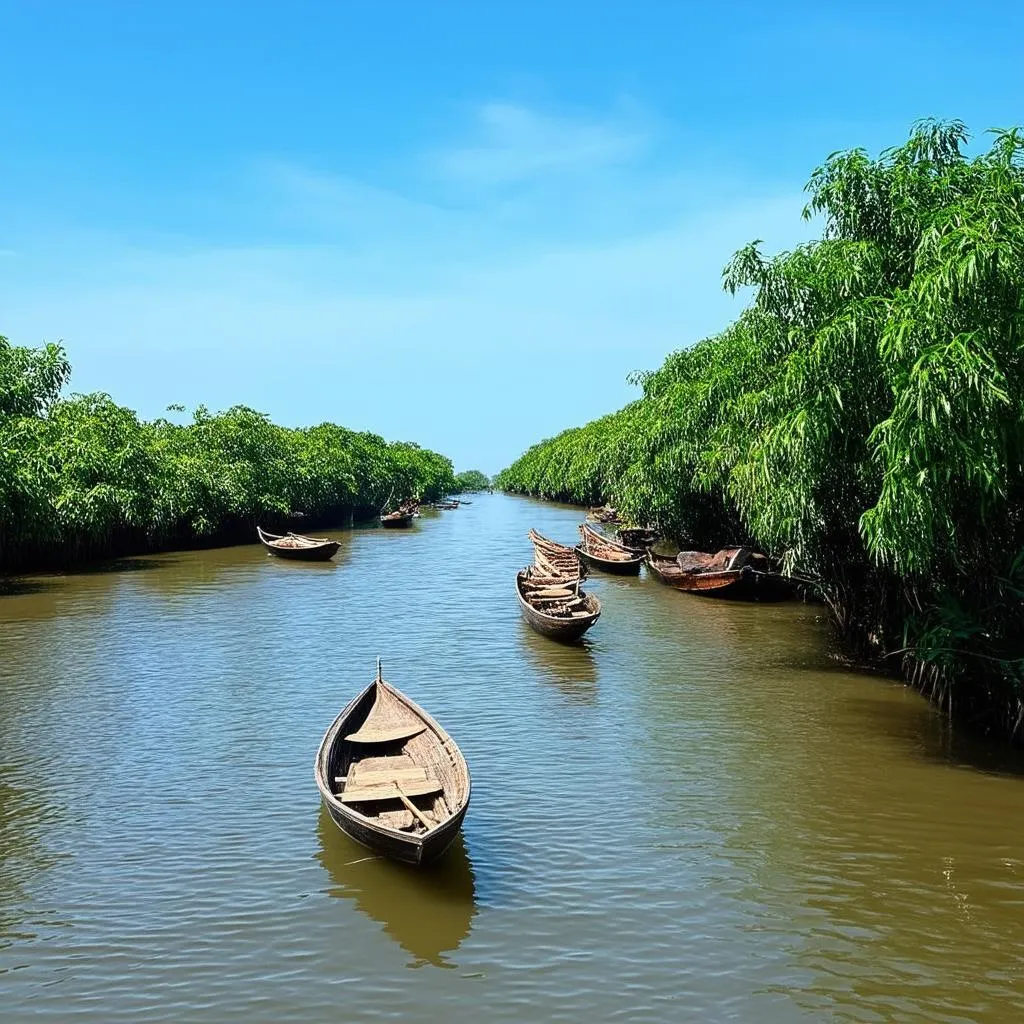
{"type": "Point", "coordinates": [697, 815]}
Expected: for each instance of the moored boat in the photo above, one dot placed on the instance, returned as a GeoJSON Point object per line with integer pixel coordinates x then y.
{"type": "Point", "coordinates": [607, 555]}
{"type": "Point", "coordinates": [397, 520]}
{"type": "Point", "coordinates": [555, 607]}
{"type": "Point", "coordinates": [391, 778]}
{"type": "Point", "coordinates": [402, 517]}
{"type": "Point", "coordinates": [297, 547]}
{"type": "Point", "coordinates": [737, 573]}
{"type": "Point", "coordinates": [554, 559]}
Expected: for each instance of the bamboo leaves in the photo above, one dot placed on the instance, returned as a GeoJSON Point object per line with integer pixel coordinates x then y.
{"type": "Point", "coordinates": [863, 418]}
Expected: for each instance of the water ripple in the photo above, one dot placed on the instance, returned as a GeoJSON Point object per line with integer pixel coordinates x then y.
{"type": "Point", "coordinates": [693, 815]}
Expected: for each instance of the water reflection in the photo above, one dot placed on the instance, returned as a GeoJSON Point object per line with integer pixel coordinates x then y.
{"type": "Point", "coordinates": [427, 911]}
{"type": "Point", "coordinates": [570, 667]}
{"type": "Point", "coordinates": [24, 820]}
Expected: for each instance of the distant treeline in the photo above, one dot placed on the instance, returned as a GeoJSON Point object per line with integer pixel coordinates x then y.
{"type": "Point", "coordinates": [471, 480]}
{"type": "Point", "coordinates": [863, 419]}
{"type": "Point", "coordinates": [83, 477]}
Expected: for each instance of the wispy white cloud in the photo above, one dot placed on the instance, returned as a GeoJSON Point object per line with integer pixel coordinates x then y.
{"type": "Point", "coordinates": [403, 301]}
{"type": "Point", "coordinates": [512, 143]}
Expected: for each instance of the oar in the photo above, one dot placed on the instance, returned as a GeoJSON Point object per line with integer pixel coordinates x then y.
{"type": "Point", "coordinates": [403, 796]}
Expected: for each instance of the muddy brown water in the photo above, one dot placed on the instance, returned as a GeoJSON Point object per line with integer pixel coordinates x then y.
{"type": "Point", "coordinates": [698, 815]}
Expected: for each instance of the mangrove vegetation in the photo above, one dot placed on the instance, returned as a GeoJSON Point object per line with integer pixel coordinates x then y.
{"type": "Point", "coordinates": [861, 420]}
{"type": "Point", "coordinates": [471, 480]}
{"type": "Point", "coordinates": [82, 477]}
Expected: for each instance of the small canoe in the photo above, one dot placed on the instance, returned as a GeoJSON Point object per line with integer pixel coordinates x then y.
{"type": "Point", "coordinates": [397, 520]}
{"type": "Point", "coordinates": [606, 554]}
{"type": "Point", "coordinates": [554, 607]}
{"type": "Point", "coordinates": [391, 778]}
{"type": "Point", "coordinates": [554, 559]}
{"type": "Point", "coordinates": [297, 547]}
{"type": "Point", "coordinates": [446, 506]}
{"type": "Point", "coordinates": [734, 573]}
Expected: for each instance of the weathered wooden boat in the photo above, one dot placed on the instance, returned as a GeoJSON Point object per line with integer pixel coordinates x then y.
{"type": "Point", "coordinates": [397, 520]}
{"type": "Point", "coordinates": [554, 559]}
{"type": "Point", "coordinates": [296, 546]}
{"type": "Point", "coordinates": [637, 538]}
{"type": "Point", "coordinates": [606, 554]}
{"type": "Point", "coordinates": [736, 573]}
{"type": "Point", "coordinates": [556, 607]}
{"type": "Point", "coordinates": [391, 778]}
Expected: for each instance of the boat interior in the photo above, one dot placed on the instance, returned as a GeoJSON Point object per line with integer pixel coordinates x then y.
{"type": "Point", "coordinates": [389, 766]}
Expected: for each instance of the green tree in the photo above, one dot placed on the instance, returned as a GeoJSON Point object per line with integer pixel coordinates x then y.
{"type": "Point", "coordinates": [862, 418]}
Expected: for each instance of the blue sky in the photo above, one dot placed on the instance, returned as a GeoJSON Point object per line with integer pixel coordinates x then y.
{"type": "Point", "coordinates": [457, 223]}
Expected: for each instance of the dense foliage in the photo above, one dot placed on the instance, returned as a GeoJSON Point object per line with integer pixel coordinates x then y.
{"type": "Point", "coordinates": [471, 480]}
{"type": "Point", "coordinates": [83, 476]}
{"type": "Point", "coordinates": [862, 420]}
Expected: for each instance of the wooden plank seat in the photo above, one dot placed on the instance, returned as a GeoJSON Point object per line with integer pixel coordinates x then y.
{"type": "Point", "coordinates": [378, 778]}
{"type": "Point", "coordinates": [382, 763]}
{"type": "Point", "coordinates": [388, 791]}
{"type": "Point", "coordinates": [386, 733]}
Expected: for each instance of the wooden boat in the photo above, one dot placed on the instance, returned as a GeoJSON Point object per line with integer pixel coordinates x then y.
{"type": "Point", "coordinates": [606, 554]}
{"type": "Point", "coordinates": [397, 520]}
{"type": "Point", "coordinates": [737, 573]}
{"type": "Point", "coordinates": [446, 506]}
{"type": "Point", "coordinates": [391, 778]}
{"type": "Point", "coordinates": [637, 538]}
{"type": "Point", "coordinates": [295, 546]}
{"type": "Point", "coordinates": [554, 559]}
{"type": "Point", "coordinates": [554, 606]}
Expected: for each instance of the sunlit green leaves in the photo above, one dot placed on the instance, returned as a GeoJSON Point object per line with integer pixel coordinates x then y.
{"type": "Point", "coordinates": [84, 475]}
{"type": "Point", "coordinates": [864, 418]}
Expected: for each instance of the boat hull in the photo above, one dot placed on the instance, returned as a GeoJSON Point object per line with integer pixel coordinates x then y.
{"type": "Point", "coordinates": [320, 554]}
{"type": "Point", "coordinates": [406, 849]}
{"type": "Point", "coordinates": [409, 848]}
{"type": "Point", "coordinates": [556, 628]}
{"type": "Point", "coordinates": [401, 523]}
{"type": "Point", "coordinates": [624, 567]}
{"type": "Point", "coordinates": [729, 584]}
{"type": "Point", "coordinates": [322, 551]}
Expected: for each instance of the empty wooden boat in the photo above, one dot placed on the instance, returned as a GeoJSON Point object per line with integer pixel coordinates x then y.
{"type": "Point", "coordinates": [391, 778]}
{"type": "Point", "coordinates": [607, 555]}
{"type": "Point", "coordinates": [737, 573]}
{"type": "Point", "coordinates": [298, 547]}
{"type": "Point", "coordinates": [397, 520]}
{"type": "Point", "coordinates": [554, 606]}
{"type": "Point", "coordinates": [554, 559]}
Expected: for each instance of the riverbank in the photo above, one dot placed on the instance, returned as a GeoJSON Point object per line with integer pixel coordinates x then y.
{"type": "Point", "coordinates": [83, 478]}
{"type": "Point", "coordinates": [860, 421]}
